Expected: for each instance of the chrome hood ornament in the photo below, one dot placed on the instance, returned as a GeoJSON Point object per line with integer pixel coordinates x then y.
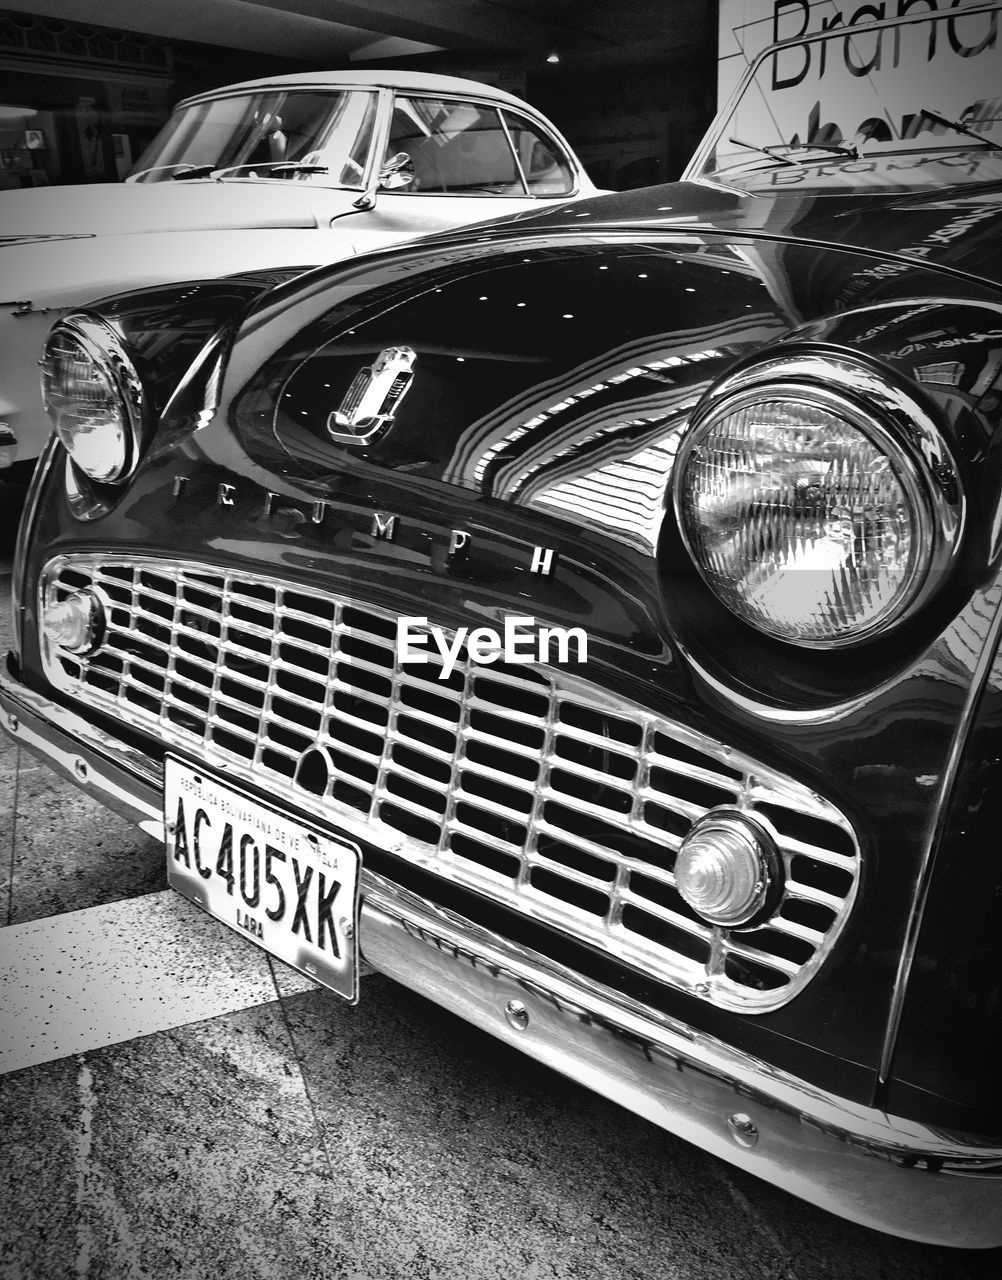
{"type": "Point", "coordinates": [373, 397]}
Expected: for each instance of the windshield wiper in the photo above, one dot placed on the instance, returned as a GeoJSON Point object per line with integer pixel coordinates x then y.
{"type": "Point", "coordinates": [272, 166]}
{"type": "Point", "coordinates": [960, 127]}
{"type": "Point", "coordinates": [196, 171]}
{"type": "Point", "coordinates": [186, 171]}
{"type": "Point", "coordinates": [834, 148]}
{"type": "Point", "coordinates": [297, 166]}
{"type": "Point", "coordinates": [764, 151]}
{"type": "Point", "coordinates": [774, 151]}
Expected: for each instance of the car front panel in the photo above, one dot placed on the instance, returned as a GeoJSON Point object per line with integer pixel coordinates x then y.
{"type": "Point", "coordinates": [661, 724]}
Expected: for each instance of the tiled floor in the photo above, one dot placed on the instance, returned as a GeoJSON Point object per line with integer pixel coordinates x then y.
{"type": "Point", "coordinates": [179, 1119]}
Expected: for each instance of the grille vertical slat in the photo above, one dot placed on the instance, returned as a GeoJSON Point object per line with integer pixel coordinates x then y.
{"type": "Point", "coordinates": [523, 784]}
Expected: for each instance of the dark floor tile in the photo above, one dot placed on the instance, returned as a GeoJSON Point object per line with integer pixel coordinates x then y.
{"type": "Point", "coordinates": [188, 1154]}
{"type": "Point", "coordinates": [40, 1122]}
{"type": "Point", "coordinates": [70, 852]}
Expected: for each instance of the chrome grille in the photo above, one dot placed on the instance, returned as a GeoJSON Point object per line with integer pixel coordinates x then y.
{"type": "Point", "coordinates": [525, 784]}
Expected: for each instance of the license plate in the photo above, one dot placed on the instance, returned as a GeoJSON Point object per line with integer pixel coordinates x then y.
{"type": "Point", "coordinates": [292, 890]}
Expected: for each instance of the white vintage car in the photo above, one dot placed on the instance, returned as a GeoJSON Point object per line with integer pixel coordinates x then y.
{"type": "Point", "coordinates": [280, 174]}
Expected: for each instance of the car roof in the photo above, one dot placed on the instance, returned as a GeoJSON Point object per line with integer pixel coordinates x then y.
{"type": "Point", "coordinates": [374, 78]}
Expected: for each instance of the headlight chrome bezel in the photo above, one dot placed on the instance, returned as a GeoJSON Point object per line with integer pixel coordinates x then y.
{"type": "Point", "coordinates": [894, 421]}
{"type": "Point", "coordinates": [105, 349]}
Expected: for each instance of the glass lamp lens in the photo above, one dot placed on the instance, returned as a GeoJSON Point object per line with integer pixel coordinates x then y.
{"type": "Point", "coordinates": [69, 623]}
{"type": "Point", "coordinates": [721, 872]}
{"type": "Point", "coordinates": [799, 522]}
{"type": "Point", "coordinates": [86, 408]}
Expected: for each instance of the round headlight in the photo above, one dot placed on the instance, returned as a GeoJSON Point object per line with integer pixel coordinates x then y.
{"type": "Point", "coordinates": [94, 397]}
{"type": "Point", "coordinates": [806, 513]}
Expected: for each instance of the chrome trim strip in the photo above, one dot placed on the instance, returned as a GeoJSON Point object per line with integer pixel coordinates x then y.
{"type": "Point", "coordinates": [879, 1133]}
{"type": "Point", "coordinates": [43, 467]}
{"type": "Point", "coordinates": [514, 150]}
{"type": "Point", "coordinates": [942, 810]}
{"type": "Point", "coordinates": [876, 1169]}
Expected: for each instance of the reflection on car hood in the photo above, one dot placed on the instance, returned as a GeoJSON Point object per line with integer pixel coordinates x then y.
{"type": "Point", "coordinates": [129, 208]}
{"type": "Point", "coordinates": [556, 369]}
{"type": "Point", "coordinates": [957, 228]}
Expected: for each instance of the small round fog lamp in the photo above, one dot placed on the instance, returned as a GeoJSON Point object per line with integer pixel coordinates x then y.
{"type": "Point", "coordinates": [73, 622]}
{"type": "Point", "coordinates": [728, 869]}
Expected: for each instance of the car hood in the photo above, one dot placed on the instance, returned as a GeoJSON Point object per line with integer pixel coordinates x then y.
{"type": "Point", "coordinates": [142, 208]}
{"type": "Point", "coordinates": [953, 228]}
{"type": "Point", "coordinates": [556, 336]}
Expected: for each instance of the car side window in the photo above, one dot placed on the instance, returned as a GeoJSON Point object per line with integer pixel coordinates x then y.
{"type": "Point", "coordinates": [330, 130]}
{"type": "Point", "coordinates": [451, 147]}
{"type": "Point", "coordinates": [546, 168]}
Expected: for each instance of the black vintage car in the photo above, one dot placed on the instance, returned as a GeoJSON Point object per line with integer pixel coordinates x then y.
{"type": "Point", "coordinates": [593, 621]}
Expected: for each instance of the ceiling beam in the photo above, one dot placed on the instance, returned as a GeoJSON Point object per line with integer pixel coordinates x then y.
{"type": "Point", "coordinates": [455, 24]}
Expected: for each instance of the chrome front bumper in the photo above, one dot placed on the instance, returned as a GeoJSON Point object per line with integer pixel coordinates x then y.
{"type": "Point", "coordinates": [863, 1164]}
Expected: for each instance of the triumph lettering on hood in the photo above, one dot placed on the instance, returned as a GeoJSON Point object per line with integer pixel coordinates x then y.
{"type": "Point", "coordinates": [289, 515]}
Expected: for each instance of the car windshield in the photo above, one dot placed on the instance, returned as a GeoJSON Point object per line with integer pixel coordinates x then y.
{"type": "Point", "coordinates": [304, 135]}
{"type": "Point", "coordinates": [890, 106]}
